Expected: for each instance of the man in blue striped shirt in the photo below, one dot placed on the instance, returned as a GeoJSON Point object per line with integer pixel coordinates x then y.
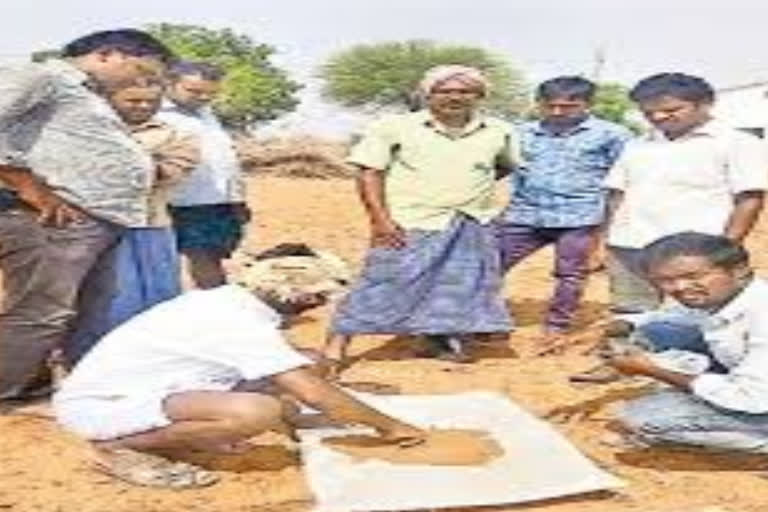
{"type": "Point", "coordinates": [556, 194]}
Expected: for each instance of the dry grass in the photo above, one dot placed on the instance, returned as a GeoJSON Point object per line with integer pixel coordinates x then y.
{"type": "Point", "coordinates": [302, 156]}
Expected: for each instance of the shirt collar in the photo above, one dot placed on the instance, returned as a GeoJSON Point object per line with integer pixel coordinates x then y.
{"type": "Point", "coordinates": [736, 307]}
{"type": "Point", "coordinates": [539, 128]}
{"type": "Point", "coordinates": [477, 122]}
{"type": "Point", "coordinates": [711, 128]}
{"type": "Point", "coordinates": [149, 125]}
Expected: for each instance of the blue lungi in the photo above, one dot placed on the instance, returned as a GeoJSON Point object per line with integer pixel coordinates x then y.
{"type": "Point", "coordinates": [441, 282]}
{"type": "Point", "coordinates": [146, 268]}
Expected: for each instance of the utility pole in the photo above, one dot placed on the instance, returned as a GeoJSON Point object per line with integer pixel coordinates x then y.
{"type": "Point", "coordinates": [598, 63]}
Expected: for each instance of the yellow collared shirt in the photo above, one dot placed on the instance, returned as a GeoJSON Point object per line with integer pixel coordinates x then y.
{"type": "Point", "coordinates": [431, 173]}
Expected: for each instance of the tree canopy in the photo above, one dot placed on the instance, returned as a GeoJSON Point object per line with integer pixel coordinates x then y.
{"type": "Point", "coordinates": [387, 74]}
{"type": "Point", "coordinates": [253, 88]}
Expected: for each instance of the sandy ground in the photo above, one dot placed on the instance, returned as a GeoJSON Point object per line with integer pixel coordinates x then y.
{"type": "Point", "coordinates": [43, 469]}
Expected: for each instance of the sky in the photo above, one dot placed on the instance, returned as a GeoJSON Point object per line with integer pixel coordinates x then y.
{"type": "Point", "coordinates": [723, 40]}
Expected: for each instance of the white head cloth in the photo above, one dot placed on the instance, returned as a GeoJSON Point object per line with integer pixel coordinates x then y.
{"type": "Point", "coordinates": [438, 74]}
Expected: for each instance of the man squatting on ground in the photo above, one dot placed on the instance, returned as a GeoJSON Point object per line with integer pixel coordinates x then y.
{"type": "Point", "coordinates": [200, 372]}
{"type": "Point", "coordinates": [556, 193]}
{"type": "Point", "coordinates": [75, 179]}
{"type": "Point", "coordinates": [427, 180]}
{"type": "Point", "coordinates": [709, 345]}
{"type": "Point", "coordinates": [208, 206]}
{"type": "Point", "coordinates": [146, 262]}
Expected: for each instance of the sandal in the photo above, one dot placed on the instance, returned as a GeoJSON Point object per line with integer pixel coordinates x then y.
{"type": "Point", "coordinates": [148, 470]}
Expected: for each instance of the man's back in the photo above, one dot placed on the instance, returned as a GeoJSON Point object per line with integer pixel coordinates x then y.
{"type": "Point", "coordinates": [204, 339]}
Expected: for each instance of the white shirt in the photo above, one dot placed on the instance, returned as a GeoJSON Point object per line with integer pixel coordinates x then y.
{"type": "Point", "coordinates": [201, 340]}
{"type": "Point", "coordinates": [737, 337]}
{"type": "Point", "coordinates": [685, 184]}
{"type": "Point", "coordinates": [217, 179]}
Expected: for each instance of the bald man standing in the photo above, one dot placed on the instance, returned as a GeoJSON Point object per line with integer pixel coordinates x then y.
{"type": "Point", "coordinates": [426, 180]}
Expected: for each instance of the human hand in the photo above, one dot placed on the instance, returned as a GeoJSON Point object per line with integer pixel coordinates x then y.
{"type": "Point", "coordinates": [403, 435]}
{"type": "Point", "coordinates": [52, 209]}
{"type": "Point", "coordinates": [386, 233]}
{"type": "Point", "coordinates": [634, 363]}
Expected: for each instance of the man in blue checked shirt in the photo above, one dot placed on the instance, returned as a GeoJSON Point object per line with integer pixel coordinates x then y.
{"type": "Point", "coordinates": [557, 195]}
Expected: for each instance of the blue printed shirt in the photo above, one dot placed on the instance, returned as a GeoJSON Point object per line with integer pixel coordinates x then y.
{"type": "Point", "coordinates": [559, 183]}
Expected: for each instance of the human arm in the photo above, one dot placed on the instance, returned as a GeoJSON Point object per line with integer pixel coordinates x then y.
{"type": "Point", "coordinates": [342, 407]}
{"type": "Point", "coordinates": [747, 175]}
{"type": "Point", "coordinates": [385, 232]}
{"type": "Point", "coordinates": [638, 364]}
{"type": "Point", "coordinates": [509, 158]}
{"type": "Point", "coordinates": [746, 210]}
{"type": "Point", "coordinates": [23, 90]}
{"type": "Point", "coordinates": [372, 155]}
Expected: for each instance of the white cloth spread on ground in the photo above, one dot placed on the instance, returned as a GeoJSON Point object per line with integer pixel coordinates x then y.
{"type": "Point", "coordinates": [538, 462]}
{"type": "Point", "coordinates": [203, 340]}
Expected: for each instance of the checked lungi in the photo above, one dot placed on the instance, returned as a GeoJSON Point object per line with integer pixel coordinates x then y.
{"type": "Point", "coordinates": [441, 282]}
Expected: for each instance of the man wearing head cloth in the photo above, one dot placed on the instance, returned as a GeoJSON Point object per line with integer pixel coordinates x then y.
{"type": "Point", "coordinates": [426, 180]}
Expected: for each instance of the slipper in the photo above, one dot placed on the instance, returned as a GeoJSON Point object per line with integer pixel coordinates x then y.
{"type": "Point", "coordinates": [148, 470]}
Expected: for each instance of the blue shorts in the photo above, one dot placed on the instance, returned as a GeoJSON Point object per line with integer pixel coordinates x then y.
{"type": "Point", "coordinates": [214, 227]}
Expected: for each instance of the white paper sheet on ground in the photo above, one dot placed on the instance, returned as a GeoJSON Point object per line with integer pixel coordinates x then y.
{"type": "Point", "coordinates": [538, 463]}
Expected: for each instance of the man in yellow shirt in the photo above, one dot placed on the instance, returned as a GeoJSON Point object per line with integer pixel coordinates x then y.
{"type": "Point", "coordinates": [427, 180]}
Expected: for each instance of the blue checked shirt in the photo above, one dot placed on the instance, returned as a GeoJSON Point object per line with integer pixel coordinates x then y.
{"type": "Point", "coordinates": [560, 181]}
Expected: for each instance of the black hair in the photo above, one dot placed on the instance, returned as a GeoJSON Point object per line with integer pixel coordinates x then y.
{"type": "Point", "coordinates": [127, 40]}
{"type": "Point", "coordinates": [720, 251]}
{"type": "Point", "coordinates": [571, 87]}
{"type": "Point", "coordinates": [205, 70]}
{"type": "Point", "coordinates": [677, 85]}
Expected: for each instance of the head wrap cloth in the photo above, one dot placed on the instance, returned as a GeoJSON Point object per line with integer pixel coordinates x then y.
{"type": "Point", "coordinates": [439, 74]}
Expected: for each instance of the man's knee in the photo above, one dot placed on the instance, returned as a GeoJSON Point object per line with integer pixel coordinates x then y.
{"type": "Point", "coordinates": [251, 413]}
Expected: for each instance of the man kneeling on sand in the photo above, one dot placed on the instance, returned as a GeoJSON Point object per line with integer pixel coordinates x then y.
{"type": "Point", "coordinates": [205, 371]}
{"type": "Point", "coordinates": [710, 347]}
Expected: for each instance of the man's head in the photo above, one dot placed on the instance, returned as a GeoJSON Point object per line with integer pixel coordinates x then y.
{"type": "Point", "coordinates": [194, 85]}
{"type": "Point", "coordinates": [292, 278]}
{"type": "Point", "coordinates": [564, 101]}
{"type": "Point", "coordinates": [674, 103]}
{"type": "Point", "coordinates": [698, 270]}
{"type": "Point", "coordinates": [137, 102]}
{"type": "Point", "coordinates": [453, 91]}
{"type": "Point", "coordinates": [119, 55]}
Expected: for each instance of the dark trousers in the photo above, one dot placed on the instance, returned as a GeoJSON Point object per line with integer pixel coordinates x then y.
{"type": "Point", "coordinates": [572, 247]}
{"type": "Point", "coordinates": [43, 271]}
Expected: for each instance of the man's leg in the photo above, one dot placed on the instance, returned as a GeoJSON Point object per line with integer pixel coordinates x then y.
{"type": "Point", "coordinates": [43, 269]}
{"type": "Point", "coordinates": [630, 290]}
{"type": "Point", "coordinates": [516, 242]}
{"type": "Point", "coordinates": [681, 418]}
{"type": "Point", "coordinates": [572, 250]}
{"type": "Point", "coordinates": [208, 421]}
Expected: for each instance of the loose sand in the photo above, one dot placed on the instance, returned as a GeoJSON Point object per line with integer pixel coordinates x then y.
{"type": "Point", "coordinates": [42, 469]}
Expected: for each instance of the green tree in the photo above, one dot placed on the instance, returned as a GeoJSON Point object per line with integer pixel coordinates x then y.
{"type": "Point", "coordinates": [253, 88]}
{"type": "Point", "coordinates": [612, 103]}
{"type": "Point", "coordinates": [387, 74]}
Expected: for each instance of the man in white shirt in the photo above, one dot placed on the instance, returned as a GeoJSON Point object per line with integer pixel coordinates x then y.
{"type": "Point", "coordinates": [208, 207]}
{"type": "Point", "coordinates": [711, 348]}
{"type": "Point", "coordinates": [691, 173]}
{"type": "Point", "coordinates": [204, 371]}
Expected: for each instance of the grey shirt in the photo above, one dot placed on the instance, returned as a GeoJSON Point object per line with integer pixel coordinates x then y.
{"type": "Point", "coordinates": [68, 136]}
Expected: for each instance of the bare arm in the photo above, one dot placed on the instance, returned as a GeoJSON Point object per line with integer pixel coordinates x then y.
{"type": "Point", "coordinates": [30, 189]}
{"type": "Point", "coordinates": [746, 210]}
{"type": "Point", "coordinates": [342, 407]}
{"type": "Point", "coordinates": [639, 364]}
{"type": "Point", "coordinates": [384, 231]}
